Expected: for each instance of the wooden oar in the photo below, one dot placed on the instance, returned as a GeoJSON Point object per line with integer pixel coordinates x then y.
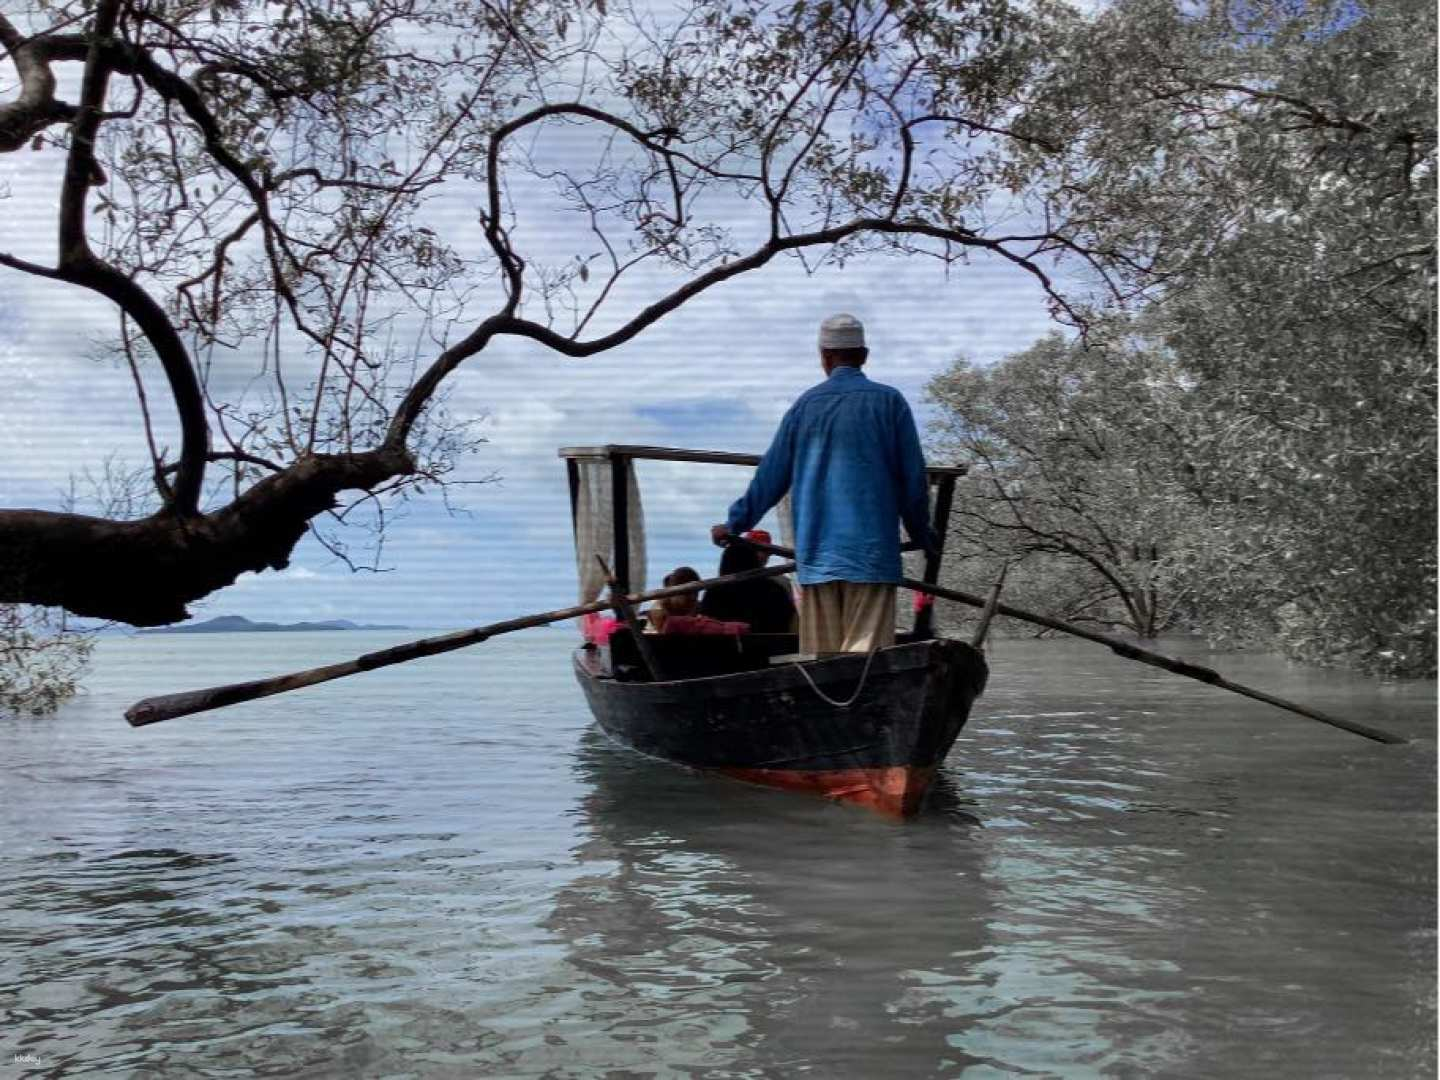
{"type": "Point", "coordinates": [1154, 659]}
{"type": "Point", "coordinates": [1132, 652]}
{"type": "Point", "coordinates": [168, 706]}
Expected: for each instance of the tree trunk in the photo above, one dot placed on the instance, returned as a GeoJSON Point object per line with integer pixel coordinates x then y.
{"type": "Point", "coordinates": [145, 572]}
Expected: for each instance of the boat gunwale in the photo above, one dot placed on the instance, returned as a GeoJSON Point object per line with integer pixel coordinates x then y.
{"type": "Point", "coordinates": [899, 659]}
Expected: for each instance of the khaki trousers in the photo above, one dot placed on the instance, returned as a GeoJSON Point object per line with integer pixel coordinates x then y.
{"type": "Point", "coordinates": [846, 616]}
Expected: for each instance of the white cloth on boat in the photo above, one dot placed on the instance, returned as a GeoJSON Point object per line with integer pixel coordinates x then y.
{"type": "Point", "coordinates": [595, 526]}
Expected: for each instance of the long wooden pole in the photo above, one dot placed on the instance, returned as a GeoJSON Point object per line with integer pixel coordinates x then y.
{"type": "Point", "coordinates": [1133, 652]}
{"type": "Point", "coordinates": [1168, 663]}
{"type": "Point", "coordinates": [168, 706]}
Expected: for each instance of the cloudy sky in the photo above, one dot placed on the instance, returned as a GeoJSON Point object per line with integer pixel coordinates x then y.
{"type": "Point", "coordinates": [717, 374]}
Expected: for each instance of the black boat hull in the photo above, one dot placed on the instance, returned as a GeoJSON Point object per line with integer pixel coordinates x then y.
{"type": "Point", "coordinates": [864, 729]}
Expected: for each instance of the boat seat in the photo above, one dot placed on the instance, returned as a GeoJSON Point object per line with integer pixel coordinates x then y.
{"type": "Point", "coordinates": [693, 656]}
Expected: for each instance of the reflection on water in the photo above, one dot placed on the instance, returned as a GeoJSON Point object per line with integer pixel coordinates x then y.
{"type": "Point", "coordinates": [716, 915]}
{"type": "Point", "coordinates": [450, 873]}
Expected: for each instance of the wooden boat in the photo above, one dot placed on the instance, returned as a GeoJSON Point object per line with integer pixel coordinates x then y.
{"type": "Point", "coordinates": [780, 725]}
{"type": "Point", "coordinates": [869, 729]}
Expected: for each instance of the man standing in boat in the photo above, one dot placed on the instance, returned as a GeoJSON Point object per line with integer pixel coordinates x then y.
{"type": "Point", "coordinates": [848, 452]}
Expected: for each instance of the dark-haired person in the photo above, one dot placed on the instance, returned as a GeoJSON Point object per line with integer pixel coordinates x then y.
{"type": "Point", "coordinates": [679, 615]}
{"type": "Point", "coordinates": [684, 605]}
{"type": "Point", "coordinates": [848, 453]}
{"type": "Point", "coordinates": [765, 604]}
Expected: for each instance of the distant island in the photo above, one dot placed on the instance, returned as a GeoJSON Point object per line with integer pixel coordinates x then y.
{"type": "Point", "coordinates": [238, 624]}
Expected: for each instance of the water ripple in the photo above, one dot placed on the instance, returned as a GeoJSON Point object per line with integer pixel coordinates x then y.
{"type": "Point", "coordinates": [445, 871]}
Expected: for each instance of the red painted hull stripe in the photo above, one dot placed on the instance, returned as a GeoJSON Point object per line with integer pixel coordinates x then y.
{"type": "Point", "coordinates": [893, 789]}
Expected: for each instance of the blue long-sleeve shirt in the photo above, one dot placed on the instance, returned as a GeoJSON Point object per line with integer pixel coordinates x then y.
{"type": "Point", "coordinates": [848, 452]}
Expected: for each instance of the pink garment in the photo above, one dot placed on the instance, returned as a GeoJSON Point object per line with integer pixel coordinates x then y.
{"type": "Point", "coordinates": [597, 628]}
{"type": "Point", "coordinates": [922, 601]}
{"type": "Point", "coordinates": [703, 624]}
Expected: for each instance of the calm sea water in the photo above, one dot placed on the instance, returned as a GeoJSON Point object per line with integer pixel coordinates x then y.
{"type": "Point", "coordinates": [443, 870]}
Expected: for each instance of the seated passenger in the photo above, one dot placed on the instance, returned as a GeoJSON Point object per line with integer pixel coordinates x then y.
{"type": "Point", "coordinates": [765, 604]}
{"type": "Point", "coordinates": [677, 615]}
{"type": "Point", "coordinates": [685, 605]}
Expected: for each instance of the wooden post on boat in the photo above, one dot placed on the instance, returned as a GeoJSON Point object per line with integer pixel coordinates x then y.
{"type": "Point", "coordinates": [924, 625]}
{"type": "Point", "coordinates": [572, 474]}
{"type": "Point", "coordinates": [626, 612]}
{"type": "Point", "coordinates": [620, 535]}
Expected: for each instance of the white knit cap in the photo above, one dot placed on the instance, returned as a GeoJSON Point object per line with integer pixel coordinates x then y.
{"type": "Point", "coordinates": [842, 332]}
